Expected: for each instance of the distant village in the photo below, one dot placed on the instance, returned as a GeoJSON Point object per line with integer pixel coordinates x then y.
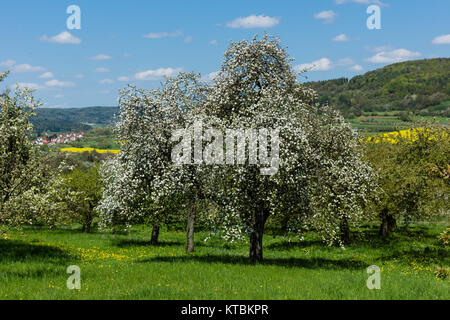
{"type": "Point", "coordinates": [48, 139]}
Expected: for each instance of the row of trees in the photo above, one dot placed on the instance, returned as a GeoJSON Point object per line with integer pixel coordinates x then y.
{"type": "Point", "coordinates": [327, 179]}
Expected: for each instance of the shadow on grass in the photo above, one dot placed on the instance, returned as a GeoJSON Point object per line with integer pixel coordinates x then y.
{"type": "Point", "coordinates": [311, 263]}
{"type": "Point", "coordinates": [19, 251]}
{"type": "Point", "coordinates": [35, 260]}
{"type": "Point", "coordinates": [417, 232]}
{"type": "Point", "coordinates": [400, 236]}
{"type": "Point", "coordinates": [122, 243]}
{"type": "Point", "coordinates": [288, 245]}
{"type": "Point", "coordinates": [426, 253]}
{"type": "Point", "coordinates": [63, 230]}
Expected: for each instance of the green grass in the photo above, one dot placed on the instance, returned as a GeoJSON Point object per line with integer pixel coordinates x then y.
{"type": "Point", "coordinates": [373, 123]}
{"type": "Point", "coordinates": [33, 265]}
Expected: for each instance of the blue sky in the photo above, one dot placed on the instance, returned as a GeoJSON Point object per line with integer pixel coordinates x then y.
{"type": "Point", "coordinates": [138, 41]}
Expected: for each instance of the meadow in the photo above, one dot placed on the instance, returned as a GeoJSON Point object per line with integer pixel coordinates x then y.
{"type": "Point", "coordinates": [33, 263]}
{"type": "Point", "coordinates": [374, 123]}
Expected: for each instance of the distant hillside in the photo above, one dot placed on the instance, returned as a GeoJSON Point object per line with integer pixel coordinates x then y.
{"type": "Point", "coordinates": [420, 86]}
{"type": "Point", "coordinates": [76, 119]}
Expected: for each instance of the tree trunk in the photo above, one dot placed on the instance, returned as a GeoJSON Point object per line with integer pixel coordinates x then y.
{"type": "Point", "coordinates": [190, 229]}
{"type": "Point", "coordinates": [155, 234]}
{"type": "Point", "coordinates": [86, 226]}
{"type": "Point", "coordinates": [256, 237]}
{"type": "Point", "coordinates": [388, 223]}
{"type": "Point", "coordinates": [87, 222]}
{"type": "Point", "coordinates": [407, 222]}
{"type": "Point", "coordinates": [345, 231]}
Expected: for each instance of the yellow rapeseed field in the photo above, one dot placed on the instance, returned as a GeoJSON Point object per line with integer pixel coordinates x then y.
{"type": "Point", "coordinates": [389, 137]}
{"type": "Point", "coordinates": [409, 134]}
{"type": "Point", "coordinates": [81, 150]}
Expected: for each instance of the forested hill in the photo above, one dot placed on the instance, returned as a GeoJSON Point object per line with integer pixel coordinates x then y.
{"type": "Point", "coordinates": [420, 86]}
{"type": "Point", "coordinates": [76, 119]}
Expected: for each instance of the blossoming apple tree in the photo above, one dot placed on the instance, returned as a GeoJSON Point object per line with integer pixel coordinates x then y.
{"type": "Point", "coordinates": [312, 169]}
{"type": "Point", "coordinates": [321, 177]}
{"type": "Point", "coordinates": [143, 181]}
{"type": "Point", "coordinates": [18, 162]}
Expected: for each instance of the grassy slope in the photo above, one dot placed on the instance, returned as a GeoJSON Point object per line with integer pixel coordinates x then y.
{"type": "Point", "coordinates": [373, 123]}
{"type": "Point", "coordinates": [98, 138]}
{"type": "Point", "coordinates": [33, 266]}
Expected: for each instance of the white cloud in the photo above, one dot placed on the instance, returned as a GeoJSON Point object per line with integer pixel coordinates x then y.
{"type": "Point", "coordinates": [59, 96]}
{"type": "Point", "coordinates": [444, 39]}
{"type": "Point", "coordinates": [79, 76]}
{"type": "Point", "coordinates": [159, 35]}
{"type": "Point", "coordinates": [323, 64]}
{"type": "Point", "coordinates": [106, 81]}
{"type": "Point", "coordinates": [393, 56]}
{"type": "Point", "coordinates": [343, 62]}
{"type": "Point", "coordinates": [213, 42]}
{"type": "Point", "coordinates": [158, 73]}
{"type": "Point", "coordinates": [341, 38]}
{"type": "Point", "coordinates": [356, 68]}
{"type": "Point", "coordinates": [55, 106]}
{"type": "Point", "coordinates": [23, 85]}
{"type": "Point", "coordinates": [46, 75]}
{"type": "Point", "coordinates": [210, 76]}
{"type": "Point", "coordinates": [7, 63]}
{"type": "Point", "coordinates": [101, 57]}
{"type": "Point", "coordinates": [62, 38]}
{"type": "Point", "coordinates": [253, 21]}
{"type": "Point", "coordinates": [27, 68]}
{"type": "Point", "coordinates": [326, 16]}
{"type": "Point", "coordinates": [47, 85]}
{"type": "Point", "coordinates": [123, 78]}
{"type": "Point", "coordinates": [61, 84]}
{"type": "Point", "coordinates": [380, 48]}
{"type": "Point", "coordinates": [188, 39]}
{"type": "Point", "coordinates": [101, 70]}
